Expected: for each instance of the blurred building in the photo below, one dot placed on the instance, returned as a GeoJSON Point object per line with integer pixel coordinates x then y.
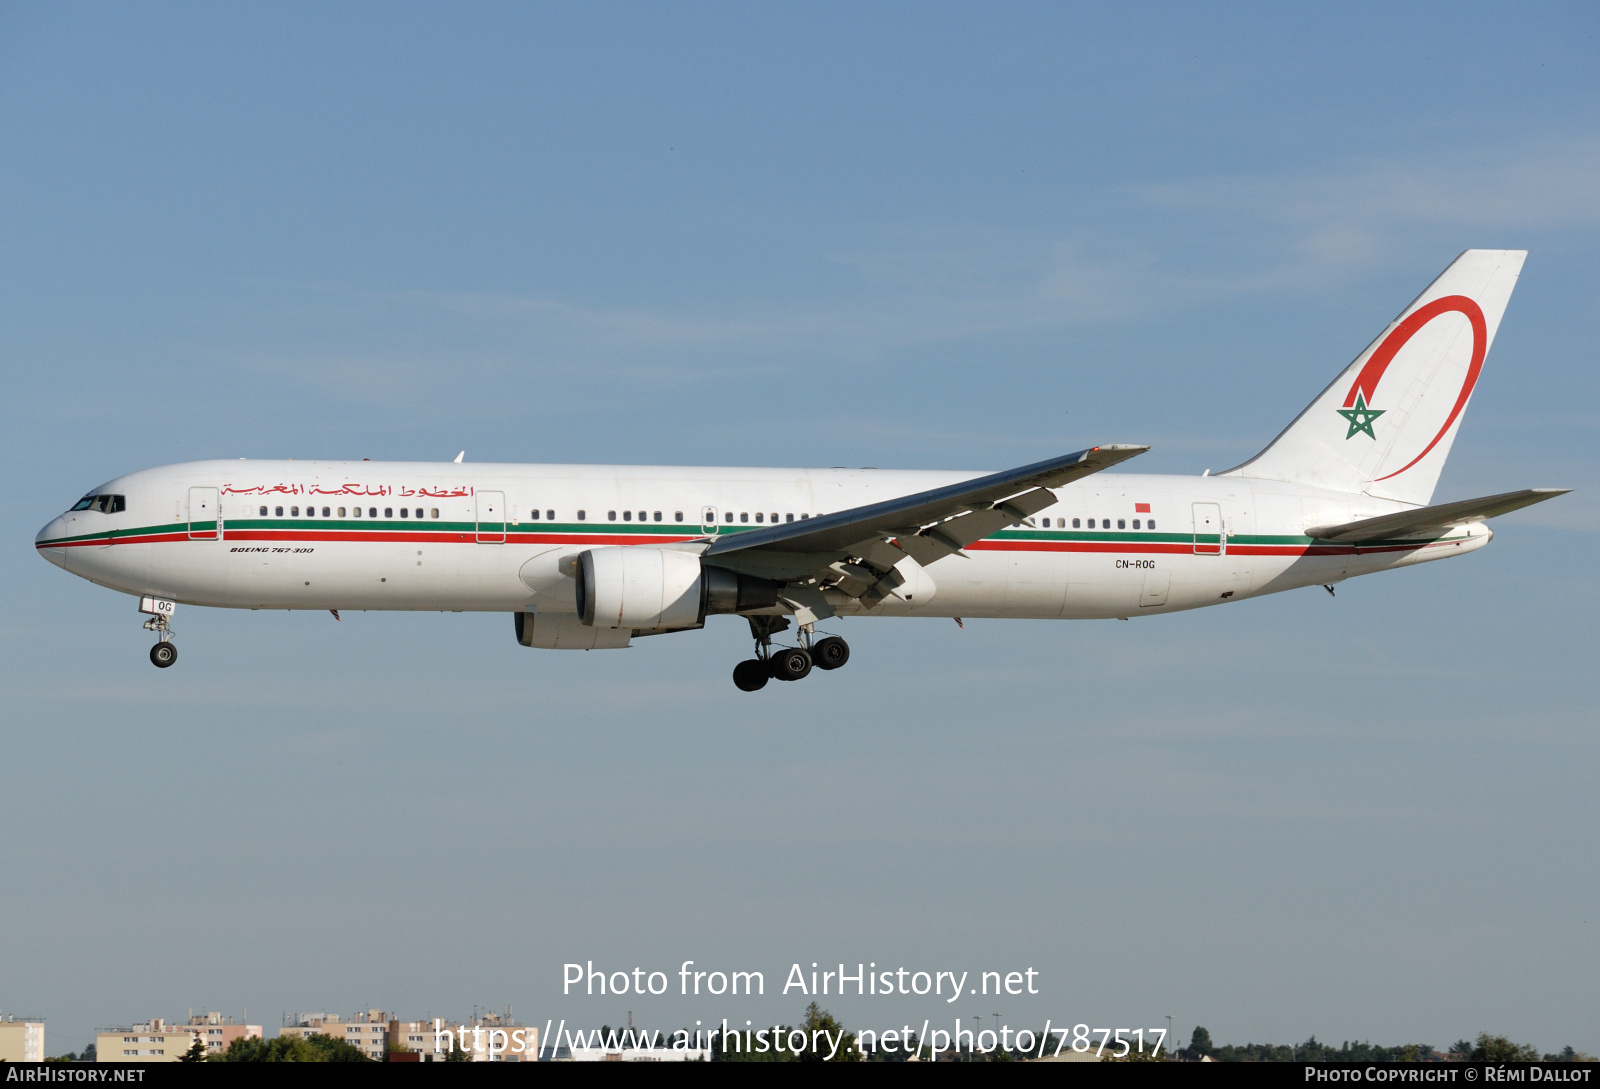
{"type": "Point", "coordinates": [155, 1041]}
{"type": "Point", "coordinates": [486, 1037]}
{"type": "Point", "coordinates": [152, 1041]}
{"type": "Point", "coordinates": [218, 1032]}
{"type": "Point", "coordinates": [22, 1041]}
{"type": "Point", "coordinates": [367, 1030]}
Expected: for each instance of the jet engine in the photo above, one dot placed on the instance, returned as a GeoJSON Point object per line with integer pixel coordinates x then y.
{"type": "Point", "coordinates": [660, 589]}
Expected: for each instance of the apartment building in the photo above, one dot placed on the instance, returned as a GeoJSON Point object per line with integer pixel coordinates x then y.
{"type": "Point", "coordinates": [487, 1037]}
{"type": "Point", "coordinates": [156, 1041]}
{"type": "Point", "coordinates": [21, 1040]}
{"type": "Point", "coordinates": [367, 1030]}
{"type": "Point", "coordinates": [219, 1032]}
{"type": "Point", "coordinates": [152, 1041]}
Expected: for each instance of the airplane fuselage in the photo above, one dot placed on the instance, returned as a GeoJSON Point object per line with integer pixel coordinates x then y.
{"type": "Point", "coordinates": [489, 537]}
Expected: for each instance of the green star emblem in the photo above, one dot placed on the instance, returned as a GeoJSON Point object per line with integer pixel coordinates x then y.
{"type": "Point", "coordinates": [1360, 417]}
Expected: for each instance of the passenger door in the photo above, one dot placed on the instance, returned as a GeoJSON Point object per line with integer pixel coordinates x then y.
{"type": "Point", "coordinates": [205, 520]}
{"type": "Point", "coordinates": [491, 517]}
{"type": "Point", "coordinates": [1209, 538]}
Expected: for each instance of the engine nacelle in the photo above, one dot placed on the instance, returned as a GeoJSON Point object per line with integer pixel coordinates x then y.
{"type": "Point", "coordinates": [659, 589]}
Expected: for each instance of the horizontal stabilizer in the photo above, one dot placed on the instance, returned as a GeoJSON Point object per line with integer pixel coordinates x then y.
{"type": "Point", "coordinates": [1424, 521]}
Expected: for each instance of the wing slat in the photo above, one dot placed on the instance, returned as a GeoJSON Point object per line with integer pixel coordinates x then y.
{"type": "Point", "coordinates": [969, 511]}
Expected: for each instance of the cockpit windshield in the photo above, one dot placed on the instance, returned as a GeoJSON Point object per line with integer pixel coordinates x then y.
{"type": "Point", "coordinates": [105, 504]}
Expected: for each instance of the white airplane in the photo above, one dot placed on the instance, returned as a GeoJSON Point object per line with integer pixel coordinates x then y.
{"type": "Point", "coordinates": [590, 556]}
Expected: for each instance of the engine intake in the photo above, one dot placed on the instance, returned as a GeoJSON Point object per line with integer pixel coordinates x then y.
{"type": "Point", "coordinates": [660, 589]}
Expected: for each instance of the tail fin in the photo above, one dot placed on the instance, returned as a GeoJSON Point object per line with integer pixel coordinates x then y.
{"type": "Point", "coordinates": [1384, 427]}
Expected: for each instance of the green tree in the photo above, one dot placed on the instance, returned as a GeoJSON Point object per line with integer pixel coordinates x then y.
{"type": "Point", "coordinates": [196, 1052]}
{"type": "Point", "coordinates": [1199, 1043]}
{"type": "Point", "coordinates": [734, 1048]}
{"type": "Point", "coordinates": [317, 1048]}
{"type": "Point", "coordinates": [1498, 1049]}
{"type": "Point", "coordinates": [820, 1020]}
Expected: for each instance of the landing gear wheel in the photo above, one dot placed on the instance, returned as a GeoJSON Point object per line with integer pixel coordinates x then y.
{"type": "Point", "coordinates": [750, 675]}
{"type": "Point", "coordinates": [790, 665]}
{"type": "Point", "coordinates": [830, 653]}
{"type": "Point", "coordinates": [163, 655]}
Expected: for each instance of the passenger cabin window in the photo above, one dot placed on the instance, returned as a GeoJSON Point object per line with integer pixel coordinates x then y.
{"type": "Point", "coordinates": [294, 512]}
{"type": "Point", "coordinates": [582, 515]}
{"type": "Point", "coordinates": [1074, 523]}
{"type": "Point", "coordinates": [551, 515]}
{"type": "Point", "coordinates": [728, 517]}
{"type": "Point", "coordinates": [642, 517]}
{"type": "Point", "coordinates": [388, 512]}
{"type": "Point", "coordinates": [341, 512]}
{"type": "Point", "coordinates": [758, 516]}
{"type": "Point", "coordinates": [656, 517]}
{"type": "Point", "coordinates": [533, 515]}
{"type": "Point", "coordinates": [372, 512]}
{"type": "Point", "coordinates": [277, 512]}
{"type": "Point", "coordinates": [263, 512]}
{"type": "Point", "coordinates": [433, 512]}
{"type": "Point", "coordinates": [404, 512]}
{"type": "Point", "coordinates": [1136, 523]}
{"type": "Point", "coordinates": [357, 512]}
{"type": "Point", "coordinates": [1151, 524]}
{"type": "Point", "coordinates": [744, 516]}
{"type": "Point", "coordinates": [1122, 523]}
{"type": "Point", "coordinates": [325, 512]}
{"type": "Point", "coordinates": [611, 515]}
{"type": "Point", "coordinates": [627, 516]}
{"type": "Point", "coordinates": [677, 516]}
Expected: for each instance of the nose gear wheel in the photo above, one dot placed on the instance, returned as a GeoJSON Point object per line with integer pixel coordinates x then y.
{"type": "Point", "coordinates": [165, 652]}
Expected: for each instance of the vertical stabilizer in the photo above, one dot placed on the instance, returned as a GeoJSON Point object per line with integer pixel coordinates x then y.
{"type": "Point", "coordinates": [1384, 427]}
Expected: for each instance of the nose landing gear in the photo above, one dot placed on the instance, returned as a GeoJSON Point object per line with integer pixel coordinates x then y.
{"type": "Point", "coordinates": [164, 653]}
{"type": "Point", "coordinates": [786, 663]}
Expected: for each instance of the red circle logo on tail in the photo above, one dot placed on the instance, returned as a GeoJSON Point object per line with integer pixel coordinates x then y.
{"type": "Point", "coordinates": [1355, 408]}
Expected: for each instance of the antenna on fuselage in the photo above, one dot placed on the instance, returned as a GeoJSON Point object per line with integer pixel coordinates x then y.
{"type": "Point", "coordinates": [460, 456]}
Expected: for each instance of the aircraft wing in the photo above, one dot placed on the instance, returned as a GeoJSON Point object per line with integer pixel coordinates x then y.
{"type": "Point", "coordinates": [927, 526]}
{"type": "Point", "coordinates": [1434, 520]}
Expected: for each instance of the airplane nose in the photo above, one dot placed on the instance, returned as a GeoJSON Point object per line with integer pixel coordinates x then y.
{"type": "Point", "coordinates": [56, 528]}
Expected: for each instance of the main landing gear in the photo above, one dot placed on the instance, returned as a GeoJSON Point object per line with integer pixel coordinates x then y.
{"type": "Point", "coordinates": [786, 663]}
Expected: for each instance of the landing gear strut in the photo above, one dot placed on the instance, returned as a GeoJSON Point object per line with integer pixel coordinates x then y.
{"type": "Point", "coordinates": [786, 663]}
{"type": "Point", "coordinates": [164, 653]}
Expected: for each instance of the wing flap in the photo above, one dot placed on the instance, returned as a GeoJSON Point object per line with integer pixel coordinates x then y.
{"type": "Point", "coordinates": [1433, 520]}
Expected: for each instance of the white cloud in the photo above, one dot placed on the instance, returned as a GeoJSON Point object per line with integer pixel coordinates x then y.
{"type": "Point", "coordinates": [1350, 215]}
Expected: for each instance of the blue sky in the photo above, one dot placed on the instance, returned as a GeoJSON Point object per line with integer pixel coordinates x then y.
{"type": "Point", "coordinates": [903, 236]}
